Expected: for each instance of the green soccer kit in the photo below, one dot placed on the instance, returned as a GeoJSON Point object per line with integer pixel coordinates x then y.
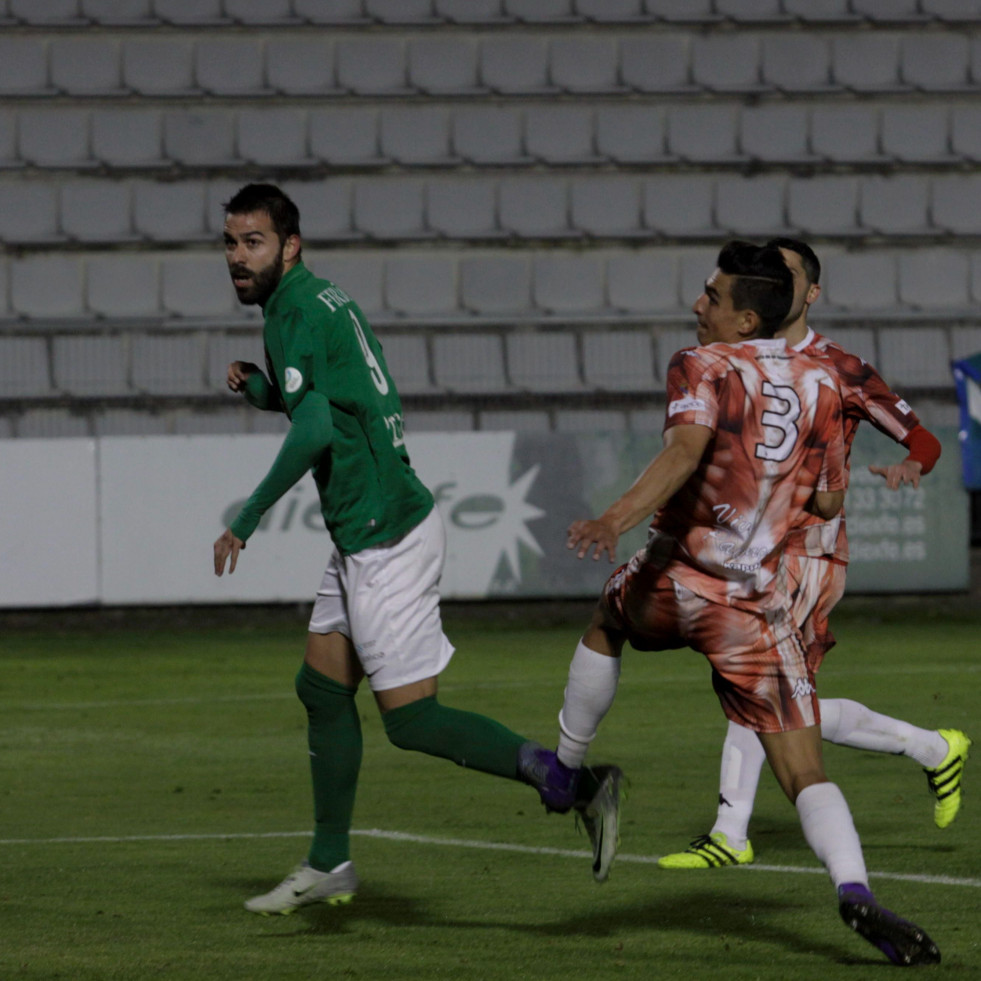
{"type": "Point", "coordinates": [328, 374]}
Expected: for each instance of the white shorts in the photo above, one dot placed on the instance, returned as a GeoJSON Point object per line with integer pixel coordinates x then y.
{"type": "Point", "coordinates": [386, 600]}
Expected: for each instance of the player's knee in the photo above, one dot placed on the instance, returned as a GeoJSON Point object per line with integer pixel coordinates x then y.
{"type": "Point", "coordinates": [407, 725]}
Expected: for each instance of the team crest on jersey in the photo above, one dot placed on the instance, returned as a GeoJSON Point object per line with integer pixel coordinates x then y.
{"type": "Point", "coordinates": [294, 379]}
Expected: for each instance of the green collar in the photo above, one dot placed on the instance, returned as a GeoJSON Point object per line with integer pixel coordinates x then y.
{"type": "Point", "coordinates": [298, 274]}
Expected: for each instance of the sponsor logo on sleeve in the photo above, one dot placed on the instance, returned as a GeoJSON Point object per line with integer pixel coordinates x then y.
{"type": "Point", "coordinates": [689, 404]}
{"type": "Point", "coordinates": [294, 379]}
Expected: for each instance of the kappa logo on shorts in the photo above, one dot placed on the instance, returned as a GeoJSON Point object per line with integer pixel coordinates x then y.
{"type": "Point", "coordinates": [802, 688]}
{"type": "Point", "coordinates": [294, 379]}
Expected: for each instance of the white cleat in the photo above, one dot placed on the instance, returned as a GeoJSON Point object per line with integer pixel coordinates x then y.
{"type": "Point", "coordinates": [305, 886]}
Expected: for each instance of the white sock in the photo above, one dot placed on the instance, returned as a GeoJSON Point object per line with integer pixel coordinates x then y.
{"type": "Point", "coordinates": [742, 760]}
{"type": "Point", "coordinates": [848, 723]}
{"type": "Point", "coordinates": [830, 831]}
{"type": "Point", "coordinates": [589, 693]}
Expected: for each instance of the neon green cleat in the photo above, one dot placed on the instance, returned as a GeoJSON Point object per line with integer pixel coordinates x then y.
{"type": "Point", "coordinates": [945, 780]}
{"type": "Point", "coordinates": [708, 852]}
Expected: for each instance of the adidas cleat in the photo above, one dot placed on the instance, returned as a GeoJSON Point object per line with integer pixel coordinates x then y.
{"type": "Point", "coordinates": [708, 852]}
{"type": "Point", "coordinates": [945, 780]}
{"type": "Point", "coordinates": [601, 819]}
{"type": "Point", "coordinates": [904, 943]}
{"type": "Point", "coordinates": [304, 886]}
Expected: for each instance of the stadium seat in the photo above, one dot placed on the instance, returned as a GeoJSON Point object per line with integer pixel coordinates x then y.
{"type": "Point", "coordinates": [407, 358]}
{"type": "Point", "coordinates": [301, 66]}
{"type": "Point", "coordinates": [821, 11]}
{"type": "Point", "coordinates": [695, 265]}
{"type": "Point", "coordinates": [955, 203]}
{"type": "Point", "coordinates": [128, 137]}
{"type": "Point", "coordinates": [859, 281]}
{"type": "Point", "coordinates": [86, 66]}
{"type": "Point", "coordinates": [346, 136]}
{"type": "Point", "coordinates": [964, 341]}
{"type": "Point", "coordinates": [171, 211]}
{"type": "Point", "coordinates": [797, 63]}
{"type": "Point", "coordinates": [668, 341]}
{"type": "Point", "coordinates": [568, 284]}
{"type": "Point", "coordinates": [401, 11]}
{"type": "Point", "coordinates": [489, 135]}
{"type": "Point", "coordinates": [895, 205]}
{"type": "Point", "coordinates": [647, 422]}
{"type": "Point", "coordinates": [585, 64]}
{"type": "Point", "coordinates": [915, 357]}
{"type": "Point", "coordinates": [332, 12]}
{"type": "Point", "coordinates": [543, 362]}
{"type": "Point", "coordinates": [855, 340]}
{"type": "Point", "coordinates": [847, 134]}
{"type": "Point", "coordinates": [541, 11]}
{"type": "Point", "coordinates": [230, 66]}
{"type": "Point", "coordinates": [196, 13]}
{"type": "Point", "coordinates": [464, 362]}
{"type": "Point", "coordinates": [196, 285]}
{"type": "Point", "coordinates": [935, 279]}
{"type": "Point", "coordinates": [680, 204]}
{"type": "Point", "coordinates": [867, 62]}
{"type": "Point", "coordinates": [44, 423]}
{"type": "Point", "coordinates": [965, 131]}
{"type": "Point", "coordinates": [223, 347]}
{"type": "Point", "coordinates": [169, 364]}
{"type": "Point", "coordinates": [122, 285]}
{"type": "Point", "coordinates": [472, 11]}
{"type": "Point", "coordinates": [496, 285]}
{"type": "Point", "coordinates": [612, 11]}
{"type": "Point", "coordinates": [8, 140]}
{"type": "Point", "coordinates": [462, 207]}
{"type": "Point", "coordinates": [752, 206]}
{"type": "Point", "coordinates": [261, 13]}
{"type": "Point", "coordinates": [97, 211]}
{"type": "Point", "coordinates": [24, 369]}
{"type": "Point", "coordinates": [47, 287]}
{"type": "Point", "coordinates": [642, 282]}
{"type": "Point", "coordinates": [560, 134]}
{"type": "Point", "coordinates": [917, 134]}
{"type": "Point", "coordinates": [416, 135]}
{"type": "Point", "coordinates": [325, 208]}
{"type": "Point", "coordinates": [360, 274]}
{"type": "Point", "coordinates": [273, 137]}
{"type": "Point", "coordinates": [200, 137]}
{"type": "Point", "coordinates": [515, 65]}
{"type": "Point", "coordinates": [824, 205]}
{"type": "Point", "coordinates": [535, 206]}
{"type": "Point", "coordinates": [727, 62]}
{"type": "Point", "coordinates": [776, 133]}
{"type": "Point", "coordinates": [936, 62]}
{"type": "Point", "coordinates": [618, 360]}
{"type": "Point", "coordinates": [706, 133]}
{"type": "Point", "coordinates": [605, 205]}
{"type": "Point", "coordinates": [631, 134]}
{"type": "Point", "coordinates": [29, 213]}
{"type": "Point", "coordinates": [371, 65]}
{"type": "Point", "coordinates": [51, 13]}
{"type": "Point", "coordinates": [683, 11]}
{"type": "Point", "coordinates": [751, 11]}
{"type": "Point", "coordinates": [129, 422]}
{"type": "Point", "coordinates": [905, 11]}
{"type": "Point", "coordinates": [24, 66]}
{"type": "Point", "coordinates": [55, 137]}
{"type": "Point", "coordinates": [657, 63]}
{"type": "Point", "coordinates": [421, 285]}
{"type": "Point", "coordinates": [515, 421]}
{"type": "Point", "coordinates": [159, 66]}
{"type": "Point", "coordinates": [90, 364]}
{"type": "Point", "coordinates": [590, 421]}
{"type": "Point", "coordinates": [444, 65]}
{"type": "Point", "coordinates": [390, 207]}
{"type": "Point", "coordinates": [953, 11]}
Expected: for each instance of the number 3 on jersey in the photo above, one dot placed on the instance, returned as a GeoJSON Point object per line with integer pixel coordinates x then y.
{"type": "Point", "coordinates": [782, 417]}
{"type": "Point", "coordinates": [377, 375]}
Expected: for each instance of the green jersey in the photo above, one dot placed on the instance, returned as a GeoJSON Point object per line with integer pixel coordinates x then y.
{"type": "Point", "coordinates": [327, 373]}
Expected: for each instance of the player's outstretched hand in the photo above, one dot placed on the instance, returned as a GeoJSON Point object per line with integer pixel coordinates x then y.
{"type": "Point", "coordinates": [594, 533]}
{"type": "Point", "coordinates": [227, 546]}
{"type": "Point", "coordinates": [238, 374]}
{"type": "Point", "coordinates": [898, 474]}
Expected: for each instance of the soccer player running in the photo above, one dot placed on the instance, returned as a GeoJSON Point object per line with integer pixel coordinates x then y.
{"type": "Point", "coordinates": [753, 440]}
{"type": "Point", "coordinates": [376, 612]}
{"type": "Point", "coordinates": [816, 558]}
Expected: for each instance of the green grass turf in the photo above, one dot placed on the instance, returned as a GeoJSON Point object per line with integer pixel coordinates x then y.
{"type": "Point", "coordinates": [173, 730]}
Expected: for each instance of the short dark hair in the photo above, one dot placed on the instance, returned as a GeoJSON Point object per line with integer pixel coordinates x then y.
{"type": "Point", "coordinates": [285, 215]}
{"type": "Point", "coordinates": [762, 282]}
{"type": "Point", "coordinates": [808, 258]}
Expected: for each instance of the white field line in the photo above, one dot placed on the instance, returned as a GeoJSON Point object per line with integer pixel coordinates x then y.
{"type": "Point", "coordinates": [490, 846]}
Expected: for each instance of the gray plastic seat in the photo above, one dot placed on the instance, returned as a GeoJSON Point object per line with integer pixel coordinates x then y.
{"type": "Point", "coordinates": [24, 368]}
{"type": "Point", "coordinates": [631, 134]}
{"type": "Point", "coordinates": [668, 342]}
{"type": "Point", "coordinates": [29, 213]}
{"type": "Point", "coordinates": [472, 11]}
{"type": "Point", "coordinates": [642, 281]}
{"type": "Point", "coordinates": [159, 66]}
{"type": "Point", "coordinates": [128, 137]}
{"type": "Point", "coordinates": [230, 66]}
{"type": "Point", "coordinates": [752, 206]}
{"type": "Point", "coordinates": [915, 357]}
{"type": "Point", "coordinates": [169, 364]}
{"type": "Point", "coordinates": [935, 279]}
{"type": "Point", "coordinates": [259, 13]}
{"type": "Point", "coordinates": [224, 347]}
{"type": "Point", "coordinates": [469, 362]}
{"type": "Point", "coordinates": [907, 11]}
{"type": "Point", "coordinates": [695, 265]}
{"type": "Point", "coordinates": [401, 11]}
{"type": "Point", "coordinates": [123, 285]}
{"type": "Point", "coordinates": [171, 211]}
{"type": "Point", "coordinates": [896, 205]}
{"type": "Point", "coordinates": [515, 64]}
{"type": "Point", "coordinates": [407, 359]}
{"type": "Point", "coordinates": [198, 13]}
{"type": "Point", "coordinates": [54, 137]}
{"type": "Point", "coordinates": [390, 208]}
{"type": "Point", "coordinates": [301, 66]}
{"type": "Point", "coordinates": [847, 134]}
{"type": "Point", "coordinates": [868, 62]}
{"type": "Point", "coordinates": [953, 11]}
{"type": "Point", "coordinates": [936, 62]}
{"type": "Point", "coordinates": [824, 205]}
{"type": "Point", "coordinates": [360, 274]}
{"type": "Point", "coordinates": [90, 364]}
{"type": "Point", "coordinates": [346, 136]}
{"type": "Point", "coordinates": [120, 421]}
{"type": "Point", "coordinates": [776, 133]}
{"type": "Point", "coordinates": [97, 211]}
{"type": "Point", "coordinates": [680, 204]}
{"type": "Point", "coordinates": [489, 135]}
{"type": "Point", "coordinates": [24, 66]}
{"type": "Point", "coordinates": [613, 11]}
{"type": "Point", "coordinates": [8, 140]}
{"type": "Point", "coordinates": [964, 341]}
{"type": "Point", "coordinates": [917, 134]}
{"type": "Point", "coordinates": [462, 207]}
{"type": "Point", "coordinates": [543, 362]}
{"type": "Point", "coordinates": [274, 137]}
{"type": "Point", "coordinates": [859, 281]}
{"type": "Point", "coordinates": [326, 208]}
{"type": "Point", "coordinates": [51, 13]}
{"type": "Point", "coordinates": [751, 11]}
{"type": "Point", "coordinates": [683, 11]}
{"type": "Point", "coordinates": [821, 11]}
{"type": "Point", "coordinates": [608, 205]}
{"type": "Point", "coordinates": [657, 63]}
{"type": "Point", "coordinates": [496, 285]}
{"type": "Point", "coordinates": [541, 11]}
{"type": "Point", "coordinates": [568, 284]}
{"type": "Point", "coordinates": [965, 131]}
{"type": "Point", "coordinates": [444, 65]}
{"type": "Point", "coordinates": [560, 134]}
{"type": "Point", "coordinates": [86, 66]}
{"type": "Point", "coordinates": [534, 206]}
{"type": "Point", "coordinates": [727, 62]}
{"type": "Point", "coordinates": [798, 63]}
{"type": "Point", "coordinates": [859, 341]}
{"type": "Point", "coordinates": [47, 287]}
{"type": "Point", "coordinates": [340, 12]}
{"type": "Point", "coordinates": [196, 285]}
{"type": "Point", "coordinates": [371, 65]}
{"type": "Point", "coordinates": [955, 203]}
{"type": "Point", "coordinates": [704, 133]}
{"type": "Point", "coordinates": [421, 286]}
{"type": "Point", "coordinates": [44, 423]}
{"type": "Point", "coordinates": [201, 137]}
{"type": "Point", "coordinates": [618, 360]}
{"type": "Point", "coordinates": [585, 64]}
{"type": "Point", "coordinates": [416, 135]}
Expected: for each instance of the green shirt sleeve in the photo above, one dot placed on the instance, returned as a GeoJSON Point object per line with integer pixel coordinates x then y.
{"type": "Point", "coordinates": [262, 394]}
{"type": "Point", "coordinates": [310, 434]}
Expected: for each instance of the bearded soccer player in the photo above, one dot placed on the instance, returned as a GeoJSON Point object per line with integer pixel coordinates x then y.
{"type": "Point", "coordinates": [753, 442]}
{"type": "Point", "coordinates": [816, 558]}
{"type": "Point", "coordinates": [376, 613]}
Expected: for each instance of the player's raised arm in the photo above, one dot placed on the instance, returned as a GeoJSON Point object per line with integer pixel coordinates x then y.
{"type": "Point", "coordinates": [924, 451]}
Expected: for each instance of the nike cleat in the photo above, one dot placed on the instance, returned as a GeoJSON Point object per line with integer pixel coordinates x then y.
{"type": "Point", "coordinates": [904, 943]}
{"type": "Point", "coordinates": [555, 782]}
{"type": "Point", "coordinates": [945, 780]}
{"type": "Point", "coordinates": [304, 886]}
{"type": "Point", "coordinates": [601, 819]}
{"type": "Point", "coordinates": [708, 852]}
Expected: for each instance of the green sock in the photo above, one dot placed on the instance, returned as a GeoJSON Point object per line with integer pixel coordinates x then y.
{"type": "Point", "coordinates": [334, 737]}
{"type": "Point", "coordinates": [468, 739]}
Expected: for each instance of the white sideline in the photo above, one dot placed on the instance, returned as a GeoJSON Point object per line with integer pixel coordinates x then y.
{"type": "Point", "coordinates": [493, 846]}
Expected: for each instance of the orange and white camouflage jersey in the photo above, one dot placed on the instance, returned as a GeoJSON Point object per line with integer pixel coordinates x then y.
{"type": "Point", "coordinates": [777, 423]}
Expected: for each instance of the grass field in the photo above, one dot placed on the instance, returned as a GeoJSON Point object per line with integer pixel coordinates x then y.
{"type": "Point", "coordinates": [153, 778]}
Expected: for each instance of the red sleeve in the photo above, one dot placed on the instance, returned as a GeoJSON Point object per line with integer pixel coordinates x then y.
{"type": "Point", "coordinates": [924, 448]}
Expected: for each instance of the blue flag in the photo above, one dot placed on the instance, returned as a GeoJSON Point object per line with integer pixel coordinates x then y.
{"type": "Point", "coordinates": [967, 378]}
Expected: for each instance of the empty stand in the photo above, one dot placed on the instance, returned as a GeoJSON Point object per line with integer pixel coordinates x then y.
{"type": "Point", "coordinates": [561, 134]}
{"type": "Point", "coordinates": [420, 286]}
{"type": "Point", "coordinates": [868, 62]}
{"type": "Point", "coordinates": [326, 208]}
{"type": "Point", "coordinates": [47, 287]}
{"type": "Point", "coordinates": [159, 66]}
{"type": "Point", "coordinates": [445, 66]}
{"type": "Point", "coordinates": [706, 133]}
{"type": "Point", "coordinates": [401, 11]}
{"type": "Point", "coordinates": [936, 62]}
{"type": "Point", "coordinates": [128, 138]}
{"type": "Point", "coordinates": [583, 63]}
{"type": "Point", "coordinates": [91, 364]}
{"type": "Point", "coordinates": [301, 66]}
{"type": "Point", "coordinates": [534, 207]}
{"type": "Point", "coordinates": [54, 137]}
{"type": "Point", "coordinates": [917, 357]}
{"type": "Point", "coordinates": [568, 284]}
{"type": "Point", "coordinates": [955, 203]}
{"type": "Point", "coordinates": [752, 206]}
{"type": "Point", "coordinates": [230, 66]}
{"type": "Point", "coordinates": [416, 135]}
{"type": "Point", "coordinates": [24, 366]}
{"type": "Point", "coordinates": [464, 362]}
{"type": "Point", "coordinates": [463, 207]}
{"type": "Point", "coordinates": [631, 134]}
{"type": "Point", "coordinates": [916, 134]}
{"type": "Point", "coordinates": [776, 133]}
{"type": "Point", "coordinates": [24, 66]}
{"type": "Point", "coordinates": [97, 211]}
{"type": "Point", "coordinates": [860, 281]}
{"type": "Point", "coordinates": [407, 358]}
{"type": "Point", "coordinates": [516, 64]}
{"type": "Point", "coordinates": [618, 360]}
{"type": "Point", "coordinates": [937, 279]}
{"type": "Point", "coordinates": [608, 206]}
{"type": "Point", "coordinates": [390, 207]}
{"type": "Point", "coordinates": [642, 281]}
{"type": "Point", "coordinates": [484, 135]}
{"type": "Point", "coordinates": [543, 362]}
{"type": "Point", "coordinates": [824, 205]}
{"type": "Point", "coordinates": [657, 63]}
{"type": "Point", "coordinates": [727, 62]}
{"type": "Point", "coordinates": [896, 205]}
{"type": "Point", "coordinates": [123, 286]}
{"type": "Point", "coordinates": [496, 285]}
{"type": "Point", "coordinates": [86, 66]}
{"type": "Point", "coordinates": [200, 137]}
{"type": "Point", "coordinates": [680, 204]}
{"type": "Point", "coordinates": [194, 13]}
{"type": "Point", "coordinates": [169, 364]}
{"type": "Point", "coordinates": [195, 286]}
{"type": "Point", "coordinates": [29, 213]}
{"type": "Point", "coordinates": [259, 13]}
{"type": "Point", "coordinates": [273, 137]}
{"type": "Point", "coordinates": [171, 211]}
{"type": "Point", "coordinates": [797, 63]}
{"type": "Point", "coordinates": [346, 136]}
{"type": "Point", "coordinates": [372, 65]}
{"type": "Point", "coordinates": [847, 134]}
{"type": "Point", "coordinates": [360, 274]}
{"type": "Point", "coordinates": [965, 135]}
